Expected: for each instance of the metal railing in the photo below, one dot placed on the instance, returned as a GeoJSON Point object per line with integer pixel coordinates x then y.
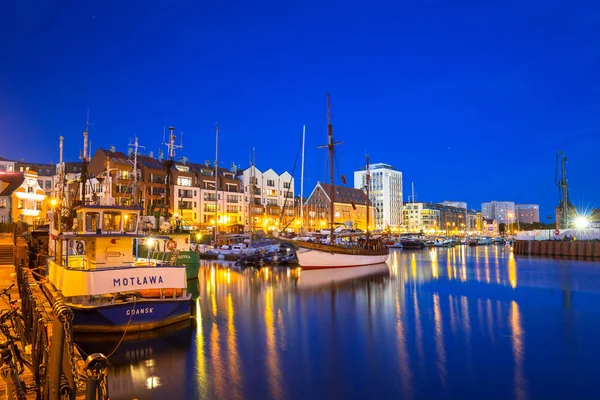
{"type": "Point", "coordinates": [54, 359]}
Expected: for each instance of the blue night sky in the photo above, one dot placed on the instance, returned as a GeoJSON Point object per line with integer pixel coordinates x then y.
{"type": "Point", "coordinates": [470, 100]}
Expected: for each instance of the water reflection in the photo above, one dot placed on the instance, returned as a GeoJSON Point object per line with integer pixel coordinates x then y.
{"type": "Point", "coordinates": [441, 323]}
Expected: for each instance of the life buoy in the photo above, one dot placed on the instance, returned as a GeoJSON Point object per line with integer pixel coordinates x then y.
{"type": "Point", "coordinates": [556, 232]}
{"type": "Point", "coordinates": [171, 245]}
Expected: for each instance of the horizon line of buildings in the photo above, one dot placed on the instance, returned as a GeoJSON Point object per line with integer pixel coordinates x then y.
{"type": "Point", "coordinates": [248, 199]}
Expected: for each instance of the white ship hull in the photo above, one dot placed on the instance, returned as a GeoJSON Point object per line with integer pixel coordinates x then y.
{"type": "Point", "coordinates": [313, 258]}
{"type": "Point", "coordinates": [315, 278]}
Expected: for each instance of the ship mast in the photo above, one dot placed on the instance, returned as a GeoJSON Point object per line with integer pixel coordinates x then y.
{"type": "Point", "coordinates": [368, 186]}
{"type": "Point", "coordinates": [135, 146]}
{"type": "Point", "coordinates": [330, 147]}
{"type": "Point", "coordinates": [84, 160]}
{"type": "Point", "coordinates": [168, 164]}
{"type": "Point", "coordinates": [216, 181]}
{"type": "Point", "coordinates": [302, 181]}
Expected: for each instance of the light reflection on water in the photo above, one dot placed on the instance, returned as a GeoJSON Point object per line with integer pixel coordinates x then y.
{"type": "Point", "coordinates": [465, 322]}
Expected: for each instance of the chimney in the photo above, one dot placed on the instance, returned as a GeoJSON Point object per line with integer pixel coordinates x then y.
{"type": "Point", "coordinates": [233, 168]}
{"type": "Point", "coordinates": [207, 163]}
{"type": "Point", "coordinates": [129, 152]}
{"type": "Point", "coordinates": [183, 160]}
{"type": "Point", "coordinates": [160, 155]}
{"type": "Point", "coordinates": [151, 154]}
{"type": "Point", "coordinates": [112, 148]}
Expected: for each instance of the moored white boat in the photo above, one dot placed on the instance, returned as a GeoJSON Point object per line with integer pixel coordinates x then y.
{"type": "Point", "coordinates": [325, 256]}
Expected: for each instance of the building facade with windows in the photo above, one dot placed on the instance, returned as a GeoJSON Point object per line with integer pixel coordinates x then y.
{"type": "Point", "coordinates": [504, 212]}
{"type": "Point", "coordinates": [7, 165]}
{"type": "Point", "coordinates": [528, 213]}
{"type": "Point", "coordinates": [29, 200]}
{"type": "Point", "coordinates": [9, 182]}
{"type": "Point", "coordinates": [349, 207]}
{"type": "Point", "coordinates": [385, 193]}
{"type": "Point", "coordinates": [268, 198]}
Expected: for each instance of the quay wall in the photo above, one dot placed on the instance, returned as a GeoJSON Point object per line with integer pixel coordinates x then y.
{"type": "Point", "coordinates": [577, 249]}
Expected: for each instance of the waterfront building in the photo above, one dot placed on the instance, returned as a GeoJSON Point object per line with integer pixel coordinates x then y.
{"type": "Point", "coordinates": [268, 198]}
{"type": "Point", "coordinates": [528, 213]}
{"type": "Point", "coordinates": [46, 174]}
{"type": "Point", "coordinates": [9, 182]}
{"type": "Point", "coordinates": [503, 212]}
{"type": "Point", "coordinates": [473, 221]}
{"type": "Point", "coordinates": [349, 207]}
{"type": "Point", "coordinates": [489, 227]}
{"type": "Point", "coordinates": [7, 165]}
{"type": "Point", "coordinates": [115, 187]}
{"type": "Point", "coordinates": [28, 200]}
{"type": "Point", "coordinates": [435, 218]}
{"type": "Point", "coordinates": [385, 193]}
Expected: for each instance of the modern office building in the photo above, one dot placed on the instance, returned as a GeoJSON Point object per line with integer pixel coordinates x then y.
{"type": "Point", "coordinates": [528, 213]}
{"type": "Point", "coordinates": [385, 193]}
{"type": "Point", "coordinates": [503, 212]}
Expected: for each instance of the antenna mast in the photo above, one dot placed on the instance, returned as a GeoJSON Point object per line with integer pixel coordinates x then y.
{"type": "Point", "coordinates": [84, 159]}
{"type": "Point", "coordinates": [168, 164]}
{"type": "Point", "coordinates": [61, 172]}
{"type": "Point", "coordinates": [135, 146]}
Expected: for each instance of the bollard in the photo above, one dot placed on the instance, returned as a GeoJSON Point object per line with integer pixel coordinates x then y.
{"type": "Point", "coordinates": [96, 369]}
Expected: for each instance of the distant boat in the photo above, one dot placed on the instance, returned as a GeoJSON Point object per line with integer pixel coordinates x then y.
{"type": "Point", "coordinates": [363, 251]}
{"type": "Point", "coordinates": [412, 243]}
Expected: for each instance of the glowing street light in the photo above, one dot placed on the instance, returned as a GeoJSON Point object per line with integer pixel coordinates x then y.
{"type": "Point", "coordinates": [581, 222]}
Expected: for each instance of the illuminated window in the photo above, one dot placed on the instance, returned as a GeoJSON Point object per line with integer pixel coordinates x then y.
{"type": "Point", "coordinates": [92, 221]}
{"type": "Point", "coordinates": [112, 221]}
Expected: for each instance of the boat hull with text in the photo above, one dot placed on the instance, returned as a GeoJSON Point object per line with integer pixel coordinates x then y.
{"type": "Point", "coordinates": [142, 315]}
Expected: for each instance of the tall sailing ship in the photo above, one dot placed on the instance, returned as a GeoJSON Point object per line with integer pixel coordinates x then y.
{"type": "Point", "coordinates": [359, 251]}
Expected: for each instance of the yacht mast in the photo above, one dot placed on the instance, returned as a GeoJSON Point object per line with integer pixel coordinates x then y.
{"type": "Point", "coordinates": [302, 181]}
{"type": "Point", "coordinates": [216, 182]}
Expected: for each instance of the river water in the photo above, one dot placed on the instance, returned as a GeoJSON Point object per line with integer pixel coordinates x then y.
{"type": "Point", "coordinates": [459, 323]}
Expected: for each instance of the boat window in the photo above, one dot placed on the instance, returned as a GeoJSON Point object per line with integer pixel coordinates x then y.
{"type": "Point", "coordinates": [130, 222]}
{"type": "Point", "coordinates": [78, 223]}
{"type": "Point", "coordinates": [112, 221]}
{"type": "Point", "coordinates": [92, 221]}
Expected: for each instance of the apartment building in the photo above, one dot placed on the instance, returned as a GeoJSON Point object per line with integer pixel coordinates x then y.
{"type": "Point", "coordinates": [528, 213]}
{"type": "Point", "coordinates": [504, 212]}
{"type": "Point", "coordinates": [269, 198]}
{"type": "Point", "coordinates": [436, 218]}
{"type": "Point", "coordinates": [385, 193]}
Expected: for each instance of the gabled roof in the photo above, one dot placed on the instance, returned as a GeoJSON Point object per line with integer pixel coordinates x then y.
{"type": "Point", "coordinates": [13, 179]}
{"type": "Point", "coordinates": [117, 157]}
{"type": "Point", "coordinates": [345, 195]}
{"type": "Point", "coordinates": [150, 162]}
